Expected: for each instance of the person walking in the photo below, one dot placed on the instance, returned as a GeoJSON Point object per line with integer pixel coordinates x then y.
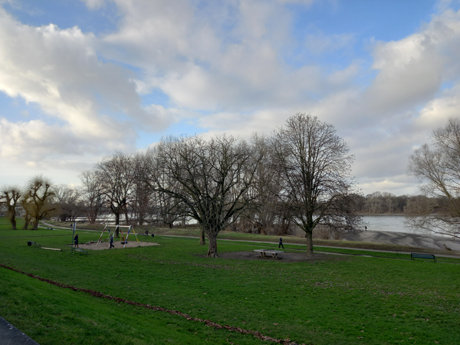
{"type": "Point", "coordinates": [281, 243]}
{"type": "Point", "coordinates": [76, 241]}
{"type": "Point", "coordinates": [111, 242]}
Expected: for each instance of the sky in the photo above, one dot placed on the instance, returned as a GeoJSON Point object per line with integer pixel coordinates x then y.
{"type": "Point", "coordinates": [80, 79]}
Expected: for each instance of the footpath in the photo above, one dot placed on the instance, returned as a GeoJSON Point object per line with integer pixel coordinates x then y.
{"type": "Point", "coordinates": [10, 335]}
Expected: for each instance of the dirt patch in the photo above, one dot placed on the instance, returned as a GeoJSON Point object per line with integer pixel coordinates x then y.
{"type": "Point", "coordinates": [284, 257]}
{"type": "Point", "coordinates": [118, 245]}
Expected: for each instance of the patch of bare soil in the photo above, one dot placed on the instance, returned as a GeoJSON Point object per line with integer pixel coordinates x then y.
{"type": "Point", "coordinates": [118, 245]}
{"type": "Point", "coordinates": [283, 257]}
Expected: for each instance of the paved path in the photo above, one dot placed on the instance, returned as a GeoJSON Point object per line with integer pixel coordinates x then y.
{"type": "Point", "coordinates": [10, 335]}
{"type": "Point", "coordinates": [332, 247]}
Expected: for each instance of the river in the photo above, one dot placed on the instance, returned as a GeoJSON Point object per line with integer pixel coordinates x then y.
{"type": "Point", "coordinates": [387, 223]}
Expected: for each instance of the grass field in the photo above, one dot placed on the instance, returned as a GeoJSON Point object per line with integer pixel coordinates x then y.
{"type": "Point", "coordinates": [343, 300]}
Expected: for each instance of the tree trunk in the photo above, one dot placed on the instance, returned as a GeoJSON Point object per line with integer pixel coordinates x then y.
{"type": "Point", "coordinates": [26, 222]}
{"type": "Point", "coordinates": [309, 237]}
{"type": "Point", "coordinates": [212, 251]}
{"type": "Point", "coordinates": [35, 224]}
{"type": "Point", "coordinates": [126, 217]}
{"type": "Point", "coordinates": [13, 223]}
{"type": "Point", "coordinates": [202, 238]}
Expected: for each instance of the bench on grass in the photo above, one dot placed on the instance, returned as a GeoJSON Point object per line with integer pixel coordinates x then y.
{"type": "Point", "coordinates": [422, 256]}
{"type": "Point", "coordinates": [81, 251]}
{"type": "Point", "coordinates": [268, 252]}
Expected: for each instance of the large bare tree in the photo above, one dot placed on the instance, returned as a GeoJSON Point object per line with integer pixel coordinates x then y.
{"type": "Point", "coordinates": [38, 199]}
{"type": "Point", "coordinates": [314, 169]}
{"type": "Point", "coordinates": [438, 167]}
{"type": "Point", "coordinates": [213, 178]}
{"type": "Point", "coordinates": [9, 196]}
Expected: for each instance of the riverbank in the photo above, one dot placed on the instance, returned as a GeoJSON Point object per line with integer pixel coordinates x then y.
{"type": "Point", "coordinates": [403, 239]}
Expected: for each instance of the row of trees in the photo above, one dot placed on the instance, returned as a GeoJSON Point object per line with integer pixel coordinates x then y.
{"type": "Point", "coordinates": [35, 201]}
{"type": "Point", "coordinates": [300, 174]}
{"type": "Point", "coordinates": [379, 203]}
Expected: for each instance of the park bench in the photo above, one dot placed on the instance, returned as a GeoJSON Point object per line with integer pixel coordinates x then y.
{"type": "Point", "coordinates": [268, 252]}
{"type": "Point", "coordinates": [422, 256]}
{"type": "Point", "coordinates": [81, 251]}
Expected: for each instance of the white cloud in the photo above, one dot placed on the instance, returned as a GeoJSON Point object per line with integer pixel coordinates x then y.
{"type": "Point", "coordinates": [225, 66]}
{"type": "Point", "coordinates": [60, 71]}
{"type": "Point", "coordinates": [94, 4]}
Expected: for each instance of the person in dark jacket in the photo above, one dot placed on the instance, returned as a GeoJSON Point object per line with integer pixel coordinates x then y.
{"type": "Point", "coordinates": [281, 243]}
{"type": "Point", "coordinates": [111, 242]}
{"type": "Point", "coordinates": [76, 241]}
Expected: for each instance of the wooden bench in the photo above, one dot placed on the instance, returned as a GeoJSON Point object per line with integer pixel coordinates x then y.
{"type": "Point", "coordinates": [81, 251]}
{"type": "Point", "coordinates": [422, 256]}
{"type": "Point", "coordinates": [268, 252]}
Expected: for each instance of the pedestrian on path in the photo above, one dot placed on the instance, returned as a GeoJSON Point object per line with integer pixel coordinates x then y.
{"type": "Point", "coordinates": [281, 243]}
{"type": "Point", "coordinates": [111, 242]}
{"type": "Point", "coordinates": [76, 241]}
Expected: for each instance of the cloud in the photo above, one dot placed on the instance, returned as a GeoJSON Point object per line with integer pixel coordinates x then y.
{"type": "Point", "coordinates": [92, 105]}
{"type": "Point", "coordinates": [94, 4]}
{"type": "Point", "coordinates": [227, 57]}
{"type": "Point", "coordinates": [232, 66]}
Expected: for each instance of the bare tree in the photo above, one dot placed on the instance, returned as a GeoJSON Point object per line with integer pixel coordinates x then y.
{"type": "Point", "coordinates": [68, 203]}
{"type": "Point", "coordinates": [438, 168]}
{"type": "Point", "coordinates": [91, 195]}
{"type": "Point", "coordinates": [116, 177]}
{"type": "Point", "coordinates": [266, 214]}
{"type": "Point", "coordinates": [26, 202]}
{"type": "Point", "coordinates": [213, 179]}
{"type": "Point", "coordinates": [9, 196]}
{"type": "Point", "coordinates": [142, 196]}
{"type": "Point", "coordinates": [38, 199]}
{"type": "Point", "coordinates": [314, 169]}
{"type": "Point", "coordinates": [167, 209]}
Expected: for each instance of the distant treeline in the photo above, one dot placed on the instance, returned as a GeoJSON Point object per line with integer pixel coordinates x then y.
{"type": "Point", "coordinates": [388, 203]}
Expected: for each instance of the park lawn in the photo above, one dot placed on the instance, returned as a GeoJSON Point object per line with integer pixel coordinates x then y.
{"type": "Point", "coordinates": [343, 300]}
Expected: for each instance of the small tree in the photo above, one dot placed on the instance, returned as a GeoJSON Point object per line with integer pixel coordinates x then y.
{"type": "Point", "coordinates": [9, 196]}
{"type": "Point", "coordinates": [438, 168]}
{"type": "Point", "coordinates": [314, 169]}
{"type": "Point", "coordinates": [212, 178]}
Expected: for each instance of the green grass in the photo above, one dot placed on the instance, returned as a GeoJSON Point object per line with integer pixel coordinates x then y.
{"type": "Point", "coordinates": [345, 300]}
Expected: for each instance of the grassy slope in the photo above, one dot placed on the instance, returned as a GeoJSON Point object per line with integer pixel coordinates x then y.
{"type": "Point", "coordinates": [343, 301]}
